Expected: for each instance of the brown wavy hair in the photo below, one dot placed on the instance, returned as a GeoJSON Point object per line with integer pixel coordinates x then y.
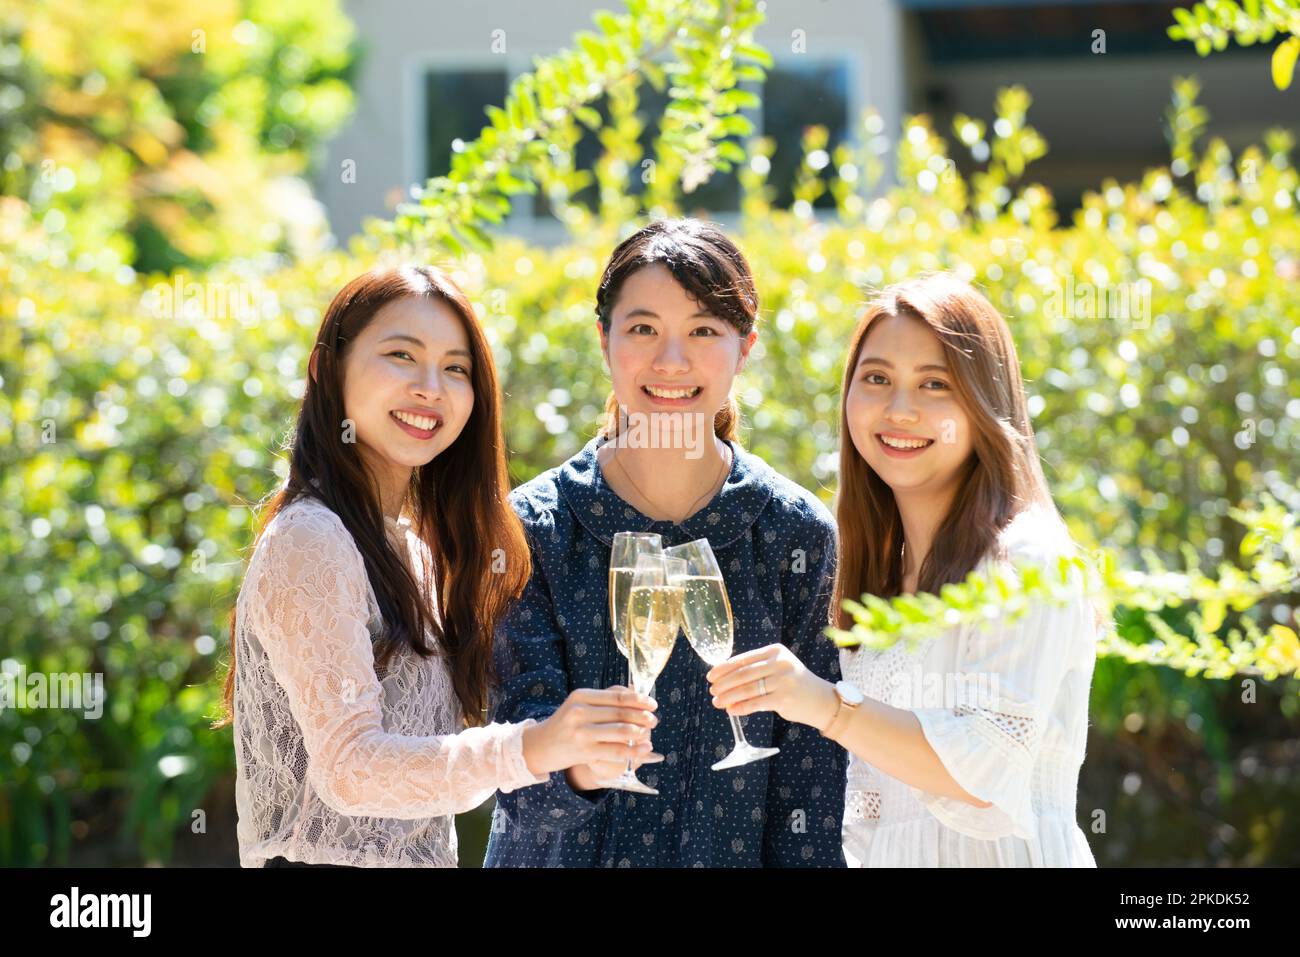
{"type": "Point", "coordinates": [712, 270]}
{"type": "Point", "coordinates": [457, 501]}
{"type": "Point", "coordinates": [1002, 477]}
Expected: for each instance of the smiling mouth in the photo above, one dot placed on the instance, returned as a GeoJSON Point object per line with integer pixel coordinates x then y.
{"type": "Point", "coordinates": [903, 445]}
{"type": "Point", "coordinates": [660, 392]}
{"type": "Point", "coordinates": [425, 425]}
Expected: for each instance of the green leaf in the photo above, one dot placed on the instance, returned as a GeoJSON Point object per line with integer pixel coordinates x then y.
{"type": "Point", "coordinates": [1284, 58]}
{"type": "Point", "coordinates": [594, 48]}
{"type": "Point", "coordinates": [608, 23]}
{"type": "Point", "coordinates": [655, 74]}
{"type": "Point", "coordinates": [737, 124]}
{"type": "Point", "coordinates": [739, 99]}
{"type": "Point", "coordinates": [477, 237]}
{"type": "Point", "coordinates": [451, 242]}
{"type": "Point", "coordinates": [1212, 615]}
{"type": "Point", "coordinates": [730, 150]}
{"type": "Point", "coordinates": [588, 117]}
{"type": "Point", "coordinates": [752, 51]}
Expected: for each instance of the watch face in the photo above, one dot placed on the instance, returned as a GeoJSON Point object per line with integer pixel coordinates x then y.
{"type": "Point", "coordinates": [850, 693]}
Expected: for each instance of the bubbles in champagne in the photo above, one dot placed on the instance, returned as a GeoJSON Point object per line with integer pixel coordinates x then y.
{"type": "Point", "coordinates": [654, 618]}
{"type": "Point", "coordinates": [706, 613]}
{"type": "Point", "coordinates": [620, 591]}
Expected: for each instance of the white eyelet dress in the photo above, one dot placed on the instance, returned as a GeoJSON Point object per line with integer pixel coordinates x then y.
{"type": "Point", "coordinates": [1006, 711]}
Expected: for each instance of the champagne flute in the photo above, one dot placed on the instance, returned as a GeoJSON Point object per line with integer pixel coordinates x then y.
{"type": "Point", "coordinates": [622, 565]}
{"type": "Point", "coordinates": [653, 619]}
{"type": "Point", "coordinates": [706, 615]}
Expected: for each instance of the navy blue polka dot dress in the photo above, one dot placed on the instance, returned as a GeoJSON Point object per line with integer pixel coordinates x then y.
{"type": "Point", "coordinates": [775, 543]}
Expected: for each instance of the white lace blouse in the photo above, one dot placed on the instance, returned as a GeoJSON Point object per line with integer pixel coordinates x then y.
{"type": "Point", "coordinates": [335, 765]}
{"type": "Point", "coordinates": [1006, 710]}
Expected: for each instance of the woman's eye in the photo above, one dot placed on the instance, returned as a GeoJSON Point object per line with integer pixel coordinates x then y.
{"type": "Point", "coordinates": [400, 352]}
{"type": "Point", "coordinates": [938, 384]}
{"type": "Point", "coordinates": [705, 331]}
{"type": "Point", "coordinates": [458, 368]}
{"type": "Point", "coordinates": [875, 378]}
{"type": "Point", "coordinates": [637, 329]}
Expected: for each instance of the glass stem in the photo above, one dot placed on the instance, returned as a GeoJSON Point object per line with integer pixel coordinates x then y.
{"type": "Point", "coordinates": [628, 772]}
{"type": "Point", "coordinates": [738, 731]}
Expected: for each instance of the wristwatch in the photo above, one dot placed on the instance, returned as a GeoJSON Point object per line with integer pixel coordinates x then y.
{"type": "Point", "coordinates": [848, 697]}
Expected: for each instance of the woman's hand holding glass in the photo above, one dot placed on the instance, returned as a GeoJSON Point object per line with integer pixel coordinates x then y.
{"type": "Point", "coordinates": [772, 678]}
{"type": "Point", "coordinates": [645, 610]}
{"type": "Point", "coordinates": [706, 614]}
{"type": "Point", "coordinates": [593, 734]}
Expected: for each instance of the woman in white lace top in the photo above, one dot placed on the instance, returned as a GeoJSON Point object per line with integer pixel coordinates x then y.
{"type": "Point", "coordinates": [361, 640]}
{"type": "Point", "coordinates": [966, 749]}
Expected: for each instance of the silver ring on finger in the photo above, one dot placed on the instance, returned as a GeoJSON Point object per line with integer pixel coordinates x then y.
{"type": "Point", "coordinates": [762, 687]}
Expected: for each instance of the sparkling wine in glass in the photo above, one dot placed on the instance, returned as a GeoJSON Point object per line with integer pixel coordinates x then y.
{"type": "Point", "coordinates": [706, 615]}
{"type": "Point", "coordinates": [653, 615]}
{"type": "Point", "coordinates": [622, 565]}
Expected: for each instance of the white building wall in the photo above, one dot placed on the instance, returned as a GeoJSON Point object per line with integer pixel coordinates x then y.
{"type": "Point", "coordinates": [400, 39]}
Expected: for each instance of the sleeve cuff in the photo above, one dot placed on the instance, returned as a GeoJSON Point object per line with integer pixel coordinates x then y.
{"type": "Point", "coordinates": [516, 768]}
{"type": "Point", "coordinates": [552, 804]}
{"type": "Point", "coordinates": [984, 768]}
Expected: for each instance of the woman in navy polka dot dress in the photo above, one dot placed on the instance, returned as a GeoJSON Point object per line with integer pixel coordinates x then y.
{"type": "Point", "coordinates": [676, 312]}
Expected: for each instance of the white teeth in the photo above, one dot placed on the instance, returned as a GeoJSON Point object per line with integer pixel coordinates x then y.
{"type": "Point", "coordinates": [419, 421]}
{"type": "Point", "coordinates": [671, 393]}
{"type": "Point", "coordinates": [904, 443]}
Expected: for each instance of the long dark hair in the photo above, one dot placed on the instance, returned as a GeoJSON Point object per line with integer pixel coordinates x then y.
{"type": "Point", "coordinates": [457, 501]}
{"type": "Point", "coordinates": [1002, 477]}
{"type": "Point", "coordinates": [712, 270]}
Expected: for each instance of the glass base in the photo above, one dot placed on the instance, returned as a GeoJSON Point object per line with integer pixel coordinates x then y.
{"type": "Point", "coordinates": [627, 782]}
{"type": "Point", "coordinates": [744, 754]}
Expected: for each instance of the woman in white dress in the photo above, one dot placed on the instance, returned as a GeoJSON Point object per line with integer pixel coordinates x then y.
{"type": "Point", "coordinates": [965, 751]}
{"type": "Point", "coordinates": [362, 638]}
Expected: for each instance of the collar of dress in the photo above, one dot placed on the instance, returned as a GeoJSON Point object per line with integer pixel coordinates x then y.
{"type": "Point", "coordinates": [739, 502]}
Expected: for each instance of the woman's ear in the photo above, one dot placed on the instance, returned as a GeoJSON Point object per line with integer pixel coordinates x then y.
{"type": "Point", "coordinates": [604, 343]}
{"type": "Point", "coordinates": [746, 344]}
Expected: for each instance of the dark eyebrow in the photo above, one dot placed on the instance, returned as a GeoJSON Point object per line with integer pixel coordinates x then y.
{"type": "Point", "coordinates": [403, 337]}
{"type": "Point", "coordinates": [702, 314]}
{"type": "Point", "coordinates": [889, 365]}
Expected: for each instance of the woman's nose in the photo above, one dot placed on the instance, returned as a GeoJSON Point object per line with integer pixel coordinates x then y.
{"type": "Point", "coordinates": [430, 386]}
{"type": "Point", "coordinates": [671, 357]}
{"type": "Point", "coordinates": [899, 408]}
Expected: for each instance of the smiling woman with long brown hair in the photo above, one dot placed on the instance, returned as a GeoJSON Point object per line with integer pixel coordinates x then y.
{"type": "Point", "coordinates": [362, 640]}
{"type": "Point", "coordinates": [965, 751]}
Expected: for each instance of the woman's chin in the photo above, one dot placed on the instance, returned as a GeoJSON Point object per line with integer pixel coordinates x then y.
{"type": "Point", "coordinates": [413, 458]}
{"type": "Point", "coordinates": [901, 476]}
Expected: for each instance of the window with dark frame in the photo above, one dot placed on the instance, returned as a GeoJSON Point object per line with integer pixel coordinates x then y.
{"type": "Point", "coordinates": [795, 95]}
{"type": "Point", "coordinates": [454, 104]}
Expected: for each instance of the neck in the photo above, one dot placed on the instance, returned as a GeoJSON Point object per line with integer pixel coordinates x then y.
{"type": "Point", "coordinates": [663, 479]}
{"type": "Point", "coordinates": [922, 512]}
{"type": "Point", "coordinates": [392, 492]}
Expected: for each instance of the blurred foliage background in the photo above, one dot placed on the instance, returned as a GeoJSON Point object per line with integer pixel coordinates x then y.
{"type": "Point", "coordinates": [164, 268]}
